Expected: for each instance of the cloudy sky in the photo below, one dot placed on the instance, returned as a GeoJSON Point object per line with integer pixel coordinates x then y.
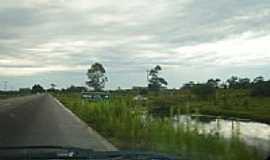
{"type": "Point", "coordinates": [55, 41]}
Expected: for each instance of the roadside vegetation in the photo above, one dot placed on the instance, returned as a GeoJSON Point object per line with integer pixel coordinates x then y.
{"type": "Point", "coordinates": [147, 122]}
{"type": "Point", "coordinates": [125, 124]}
{"type": "Point", "coordinates": [5, 95]}
{"type": "Point", "coordinates": [227, 103]}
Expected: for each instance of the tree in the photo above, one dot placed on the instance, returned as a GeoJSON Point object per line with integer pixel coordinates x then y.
{"type": "Point", "coordinates": [37, 89]}
{"type": "Point", "coordinates": [96, 76]}
{"type": "Point", "coordinates": [188, 86]}
{"type": "Point", "coordinates": [233, 82]}
{"type": "Point", "coordinates": [261, 89]}
{"type": "Point", "coordinates": [156, 82]}
{"type": "Point", "coordinates": [239, 83]}
{"type": "Point", "coordinates": [214, 82]}
{"type": "Point", "coordinates": [52, 89]}
{"type": "Point", "coordinates": [223, 85]}
{"type": "Point", "coordinates": [258, 80]}
{"type": "Point", "coordinates": [76, 89]}
{"type": "Point", "coordinates": [244, 83]}
{"type": "Point", "coordinates": [203, 90]}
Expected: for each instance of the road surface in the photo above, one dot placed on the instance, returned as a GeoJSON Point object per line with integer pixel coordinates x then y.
{"type": "Point", "coordinates": [42, 120]}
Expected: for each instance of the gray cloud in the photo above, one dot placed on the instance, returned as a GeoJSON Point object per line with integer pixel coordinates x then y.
{"type": "Point", "coordinates": [57, 36]}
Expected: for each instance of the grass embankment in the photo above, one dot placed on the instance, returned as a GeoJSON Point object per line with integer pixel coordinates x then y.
{"type": "Point", "coordinates": [227, 103]}
{"type": "Point", "coordinates": [120, 121]}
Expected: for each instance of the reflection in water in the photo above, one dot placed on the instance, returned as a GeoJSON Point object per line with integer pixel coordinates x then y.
{"type": "Point", "coordinates": [253, 133]}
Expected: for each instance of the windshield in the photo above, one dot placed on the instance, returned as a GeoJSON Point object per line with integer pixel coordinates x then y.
{"type": "Point", "coordinates": [187, 79]}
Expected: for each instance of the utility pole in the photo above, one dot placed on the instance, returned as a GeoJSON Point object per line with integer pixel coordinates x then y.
{"type": "Point", "coordinates": [147, 75]}
{"type": "Point", "coordinates": [5, 85]}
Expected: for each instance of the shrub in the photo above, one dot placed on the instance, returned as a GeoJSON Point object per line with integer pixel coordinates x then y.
{"type": "Point", "coordinates": [203, 90]}
{"type": "Point", "coordinates": [162, 105]}
{"type": "Point", "coordinates": [261, 89]}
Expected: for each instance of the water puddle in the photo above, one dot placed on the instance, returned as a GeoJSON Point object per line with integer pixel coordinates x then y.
{"type": "Point", "coordinates": [253, 133]}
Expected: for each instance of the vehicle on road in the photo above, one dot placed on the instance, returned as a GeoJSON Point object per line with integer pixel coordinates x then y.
{"type": "Point", "coordinates": [95, 96]}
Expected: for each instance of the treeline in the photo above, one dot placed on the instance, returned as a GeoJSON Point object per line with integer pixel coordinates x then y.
{"type": "Point", "coordinates": [39, 89]}
{"type": "Point", "coordinates": [258, 86]}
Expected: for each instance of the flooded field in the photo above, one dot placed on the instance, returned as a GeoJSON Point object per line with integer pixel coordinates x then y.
{"type": "Point", "coordinates": [253, 133]}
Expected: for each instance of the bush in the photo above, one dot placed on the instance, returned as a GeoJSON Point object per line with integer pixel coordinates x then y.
{"type": "Point", "coordinates": [261, 89]}
{"type": "Point", "coordinates": [203, 90]}
{"type": "Point", "coordinates": [162, 105]}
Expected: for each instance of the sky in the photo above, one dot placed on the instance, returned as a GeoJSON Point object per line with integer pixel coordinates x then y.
{"type": "Point", "coordinates": [56, 41]}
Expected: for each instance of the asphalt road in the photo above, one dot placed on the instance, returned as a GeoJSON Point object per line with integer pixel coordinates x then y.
{"type": "Point", "coordinates": [42, 120]}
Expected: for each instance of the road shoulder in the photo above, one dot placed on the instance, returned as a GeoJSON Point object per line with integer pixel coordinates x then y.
{"type": "Point", "coordinates": [107, 145]}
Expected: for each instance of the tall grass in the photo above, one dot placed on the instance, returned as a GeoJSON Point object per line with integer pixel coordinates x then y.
{"type": "Point", "coordinates": [226, 103]}
{"type": "Point", "coordinates": [122, 123]}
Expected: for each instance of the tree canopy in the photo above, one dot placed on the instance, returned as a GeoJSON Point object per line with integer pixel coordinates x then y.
{"type": "Point", "coordinates": [239, 83]}
{"type": "Point", "coordinates": [260, 87]}
{"type": "Point", "coordinates": [73, 88]}
{"type": "Point", "coordinates": [97, 77]}
{"type": "Point", "coordinates": [155, 81]}
{"type": "Point", "coordinates": [37, 89]}
{"type": "Point", "coordinates": [214, 82]}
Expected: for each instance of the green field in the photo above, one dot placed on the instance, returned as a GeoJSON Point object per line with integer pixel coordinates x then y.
{"type": "Point", "coordinates": [120, 120]}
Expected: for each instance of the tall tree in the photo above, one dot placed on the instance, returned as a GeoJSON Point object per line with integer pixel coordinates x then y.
{"type": "Point", "coordinates": [261, 88]}
{"type": "Point", "coordinates": [155, 81]}
{"type": "Point", "coordinates": [214, 82]}
{"type": "Point", "coordinates": [37, 89]}
{"type": "Point", "coordinates": [233, 82]}
{"type": "Point", "coordinates": [244, 83]}
{"type": "Point", "coordinates": [239, 83]}
{"type": "Point", "coordinates": [258, 80]}
{"type": "Point", "coordinates": [97, 77]}
{"type": "Point", "coordinates": [73, 88]}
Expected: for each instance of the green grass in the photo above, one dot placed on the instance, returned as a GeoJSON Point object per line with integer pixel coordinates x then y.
{"type": "Point", "coordinates": [232, 103]}
{"type": "Point", "coordinates": [120, 120]}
